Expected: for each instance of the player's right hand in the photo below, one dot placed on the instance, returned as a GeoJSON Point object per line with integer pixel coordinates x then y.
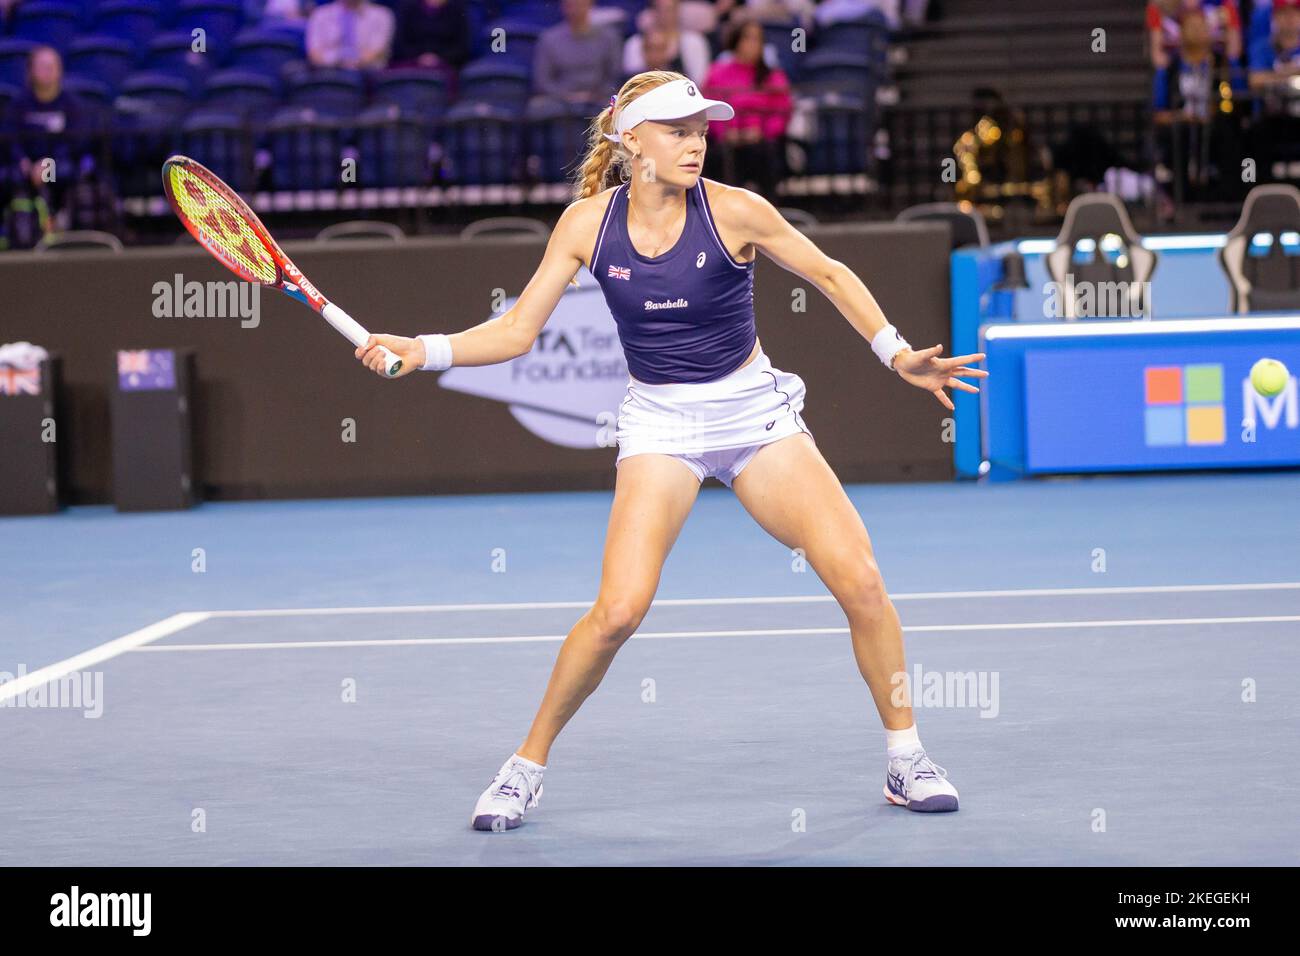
{"type": "Point", "coordinates": [410, 351]}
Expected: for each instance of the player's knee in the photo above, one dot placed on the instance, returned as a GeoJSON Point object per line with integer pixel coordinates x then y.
{"type": "Point", "coordinates": [618, 617]}
{"type": "Point", "coordinates": [860, 585]}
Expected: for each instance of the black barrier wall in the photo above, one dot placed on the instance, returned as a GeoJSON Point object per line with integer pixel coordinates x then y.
{"type": "Point", "coordinates": [273, 400]}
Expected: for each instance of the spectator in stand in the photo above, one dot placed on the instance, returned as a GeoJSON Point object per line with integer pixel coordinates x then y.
{"type": "Point", "coordinates": [432, 33]}
{"type": "Point", "coordinates": [659, 54]}
{"type": "Point", "coordinates": [45, 121]}
{"type": "Point", "coordinates": [1164, 19]}
{"type": "Point", "coordinates": [689, 46]}
{"type": "Point", "coordinates": [1276, 59]}
{"type": "Point", "coordinates": [1198, 138]}
{"type": "Point", "coordinates": [753, 142]}
{"type": "Point", "coordinates": [1192, 84]}
{"type": "Point", "coordinates": [576, 60]}
{"type": "Point", "coordinates": [696, 16]}
{"type": "Point", "coordinates": [780, 11]}
{"type": "Point", "coordinates": [352, 34]}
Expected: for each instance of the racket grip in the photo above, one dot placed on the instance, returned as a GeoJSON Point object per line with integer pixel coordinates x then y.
{"type": "Point", "coordinates": [392, 364]}
{"type": "Point", "coordinates": [355, 333]}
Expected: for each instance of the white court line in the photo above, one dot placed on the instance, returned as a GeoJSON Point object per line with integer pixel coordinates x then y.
{"type": "Point", "coordinates": [136, 640]}
{"type": "Point", "coordinates": [792, 599]}
{"type": "Point", "coordinates": [97, 655]}
{"type": "Point", "coordinates": [769, 632]}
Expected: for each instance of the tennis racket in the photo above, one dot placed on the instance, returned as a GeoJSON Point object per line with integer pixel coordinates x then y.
{"type": "Point", "coordinates": [230, 230]}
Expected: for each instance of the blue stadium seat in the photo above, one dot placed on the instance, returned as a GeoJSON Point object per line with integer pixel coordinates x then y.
{"type": "Point", "coordinates": [219, 19]}
{"type": "Point", "coordinates": [219, 140]}
{"type": "Point", "coordinates": [519, 36]}
{"type": "Point", "coordinates": [492, 80]}
{"type": "Point", "coordinates": [7, 96]}
{"type": "Point", "coordinates": [135, 21]}
{"type": "Point", "coordinates": [145, 131]}
{"type": "Point", "coordinates": [13, 60]}
{"type": "Point", "coordinates": [556, 133]}
{"type": "Point", "coordinates": [95, 98]}
{"type": "Point", "coordinates": [242, 91]}
{"type": "Point", "coordinates": [778, 36]}
{"type": "Point", "coordinates": [417, 91]}
{"type": "Point", "coordinates": [393, 147]}
{"type": "Point", "coordinates": [173, 52]}
{"type": "Point", "coordinates": [102, 57]}
{"type": "Point", "coordinates": [481, 144]}
{"type": "Point", "coordinates": [265, 51]}
{"type": "Point", "coordinates": [160, 94]}
{"type": "Point", "coordinates": [306, 149]}
{"type": "Point", "coordinates": [46, 21]}
{"type": "Point", "coordinates": [855, 74]}
{"type": "Point", "coordinates": [868, 34]}
{"type": "Point", "coordinates": [844, 134]}
{"type": "Point", "coordinates": [544, 13]}
{"type": "Point", "coordinates": [333, 92]}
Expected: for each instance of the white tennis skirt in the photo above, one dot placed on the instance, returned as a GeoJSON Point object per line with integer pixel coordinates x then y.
{"type": "Point", "coordinates": [714, 427]}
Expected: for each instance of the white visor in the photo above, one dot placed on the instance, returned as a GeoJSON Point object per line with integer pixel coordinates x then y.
{"type": "Point", "coordinates": [668, 101]}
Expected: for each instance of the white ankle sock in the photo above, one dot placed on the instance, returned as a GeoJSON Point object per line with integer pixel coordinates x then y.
{"type": "Point", "coordinates": [899, 742]}
{"type": "Point", "coordinates": [531, 765]}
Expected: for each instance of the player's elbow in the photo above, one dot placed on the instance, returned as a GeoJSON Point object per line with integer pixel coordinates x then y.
{"type": "Point", "coordinates": [831, 276]}
{"type": "Point", "coordinates": [524, 345]}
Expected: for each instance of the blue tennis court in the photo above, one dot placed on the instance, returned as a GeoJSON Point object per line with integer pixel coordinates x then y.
{"type": "Point", "coordinates": [1106, 667]}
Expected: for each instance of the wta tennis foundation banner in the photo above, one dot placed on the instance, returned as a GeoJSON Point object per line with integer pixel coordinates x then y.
{"type": "Point", "coordinates": [568, 388]}
{"type": "Point", "coordinates": [1163, 407]}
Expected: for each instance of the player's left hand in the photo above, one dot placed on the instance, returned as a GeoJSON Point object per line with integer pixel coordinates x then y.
{"type": "Point", "coordinates": [926, 370]}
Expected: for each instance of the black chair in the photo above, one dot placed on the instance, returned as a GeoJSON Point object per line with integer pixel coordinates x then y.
{"type": "Point", "coordinates": [967, 222]}
{"type": "Point", "coordinates": [79, 241]}
{"type": "Point", "coordinates": [1268, 281]}
{"type": "Point", "coordinates": [1119, 266]}
{"type": "Point", "coordinates": [506, 225]}
{"type": "Point", "coordinates": [361, 229]}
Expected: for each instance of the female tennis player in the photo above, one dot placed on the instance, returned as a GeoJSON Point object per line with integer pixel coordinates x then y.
{"type": "Point", "coordinates": [674, 254]}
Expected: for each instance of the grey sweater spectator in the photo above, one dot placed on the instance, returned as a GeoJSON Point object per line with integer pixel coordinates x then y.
{"type": "Point", "coordinates": [354, 34]}
{"type": "Point", "coordinates": [576, 60]}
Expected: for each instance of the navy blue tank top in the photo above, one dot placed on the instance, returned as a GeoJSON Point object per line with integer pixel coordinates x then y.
{"type": "Point", "coordinates": [686, 315]}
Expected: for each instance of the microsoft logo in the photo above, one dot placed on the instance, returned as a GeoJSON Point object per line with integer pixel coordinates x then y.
{"type": "Point", "coordinates": [1184, 405]}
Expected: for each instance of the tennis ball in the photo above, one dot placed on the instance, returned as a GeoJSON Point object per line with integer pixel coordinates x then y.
{"type": "Point", "coordinates": [1269, 376]}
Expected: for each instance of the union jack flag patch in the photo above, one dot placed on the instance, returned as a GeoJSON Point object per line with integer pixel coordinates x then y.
{"type": "Point", "coordinates": [619, 272]}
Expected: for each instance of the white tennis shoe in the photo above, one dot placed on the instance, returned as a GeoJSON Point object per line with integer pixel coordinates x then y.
{"type": "Point", "coordinates": [914, 781]}
{"type": "Point", "coordinates": [516, 788]}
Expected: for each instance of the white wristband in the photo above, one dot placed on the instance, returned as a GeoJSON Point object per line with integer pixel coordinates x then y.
{"type": "Point", "coordinates": [437, 352]}
{"type": "Point", "coordinates": [887, 343]}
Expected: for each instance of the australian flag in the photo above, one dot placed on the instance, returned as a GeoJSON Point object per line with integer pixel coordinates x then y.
{"type": "Point", "coordinates": [146, 370]}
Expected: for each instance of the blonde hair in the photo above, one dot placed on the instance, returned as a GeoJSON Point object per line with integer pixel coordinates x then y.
{"type": "Point", "coordinates": [604, 155]}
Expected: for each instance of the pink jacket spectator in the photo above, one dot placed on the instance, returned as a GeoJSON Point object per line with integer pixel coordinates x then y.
{"type": "Point", "coordinates": [768, 108]}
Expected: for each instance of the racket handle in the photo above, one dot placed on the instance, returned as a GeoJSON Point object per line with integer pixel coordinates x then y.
{"type": "Point", "coordinates": [355, 333]}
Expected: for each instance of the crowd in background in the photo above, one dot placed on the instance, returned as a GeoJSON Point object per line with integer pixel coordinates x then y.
{"type": "Point", "coordinates": [1218, 64]}
{"type": "Point", "coordinates": [582, 59]}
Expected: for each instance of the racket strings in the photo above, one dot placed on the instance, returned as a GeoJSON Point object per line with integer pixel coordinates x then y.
{"type": "Point", "coordinates": [223, 228]}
